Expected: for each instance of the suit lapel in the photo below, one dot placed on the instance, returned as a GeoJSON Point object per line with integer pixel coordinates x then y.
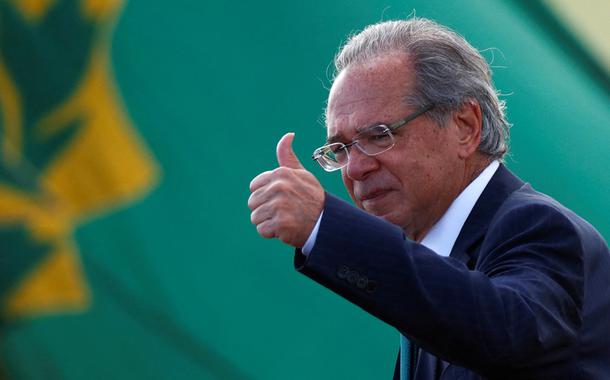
{"type": "Point", "coordinates": [501, 185]}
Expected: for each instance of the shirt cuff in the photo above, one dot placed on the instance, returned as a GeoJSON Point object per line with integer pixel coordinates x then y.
{"type": "Point", "coordinates": [311, 240]}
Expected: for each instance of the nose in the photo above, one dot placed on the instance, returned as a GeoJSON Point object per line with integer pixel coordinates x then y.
{"type": "Point", "coordinates": [360, 165]}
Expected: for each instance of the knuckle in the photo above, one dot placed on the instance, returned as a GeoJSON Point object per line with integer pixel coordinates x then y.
{"type": "Point", "coordinates": [254, 183]}
{"type": "Point", "coordinates": [251, 202]}
{"type": "Point", "coordinates": [282, 171]}
{"type": "Point", "coordinates": [259, 180]}
{"type": "Point", "coordinates": [260, 228]}
{"type": "Point", "coordinates": [278, 187]}
{"type": "Point", "coordinates": [255, 201]}
{"type": "Point", "coordinates": [253, 216]}
{"type": "Point", "coordinates": [265, 229]}
{"type": "Point", "coordinates": [274, 206]}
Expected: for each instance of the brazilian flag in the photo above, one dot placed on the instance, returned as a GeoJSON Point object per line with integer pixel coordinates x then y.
{"type": "Point", "coordinates": [130, 130]}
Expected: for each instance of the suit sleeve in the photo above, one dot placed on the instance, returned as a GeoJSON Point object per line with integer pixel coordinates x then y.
{"type": "Point", "coordinates": [519, 307]}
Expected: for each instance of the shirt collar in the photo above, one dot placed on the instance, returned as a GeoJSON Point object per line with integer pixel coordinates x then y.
{"type": "Point", "coordinates": [443, 234]}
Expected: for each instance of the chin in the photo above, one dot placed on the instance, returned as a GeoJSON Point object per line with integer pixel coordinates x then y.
{"type": "Point", "coordinates": [392, 219]}
{"type": "Point", "coordinates": [387, 215]}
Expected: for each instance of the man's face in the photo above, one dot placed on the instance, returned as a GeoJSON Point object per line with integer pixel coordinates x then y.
{"type": "Point", "coordinates": [412, 184]}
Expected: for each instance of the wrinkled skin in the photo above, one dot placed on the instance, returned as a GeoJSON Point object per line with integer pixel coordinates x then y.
{"type": "Point", "coordinates": [287, 201]}
{"type": "Point", "coordinates": [411, 185]}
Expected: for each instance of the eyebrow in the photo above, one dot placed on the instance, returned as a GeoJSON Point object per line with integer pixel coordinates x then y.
{"type": "Point", "coordinates": [335, 138]}
{"type": "Point", "coordinates": [339, 137]}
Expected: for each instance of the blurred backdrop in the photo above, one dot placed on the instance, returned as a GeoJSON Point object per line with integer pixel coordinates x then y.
{"type": "Point", "coordinates": [130, 130]}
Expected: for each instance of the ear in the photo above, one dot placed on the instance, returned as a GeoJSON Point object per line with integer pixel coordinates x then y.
{"type": "Point", "coordinates": [469, 121]}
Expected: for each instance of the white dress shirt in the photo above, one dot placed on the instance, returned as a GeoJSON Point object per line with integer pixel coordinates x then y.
{"type": "Point", "coordinates": [444, 233]}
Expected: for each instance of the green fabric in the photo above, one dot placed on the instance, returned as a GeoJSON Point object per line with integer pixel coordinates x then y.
{"type": "Point", "coordinates": [180, 284]}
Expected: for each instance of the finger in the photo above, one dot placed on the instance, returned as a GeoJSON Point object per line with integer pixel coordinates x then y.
{"type": "Point", "coordinates": [256, 199]}
{"type": "Point", "coordinates": [262, 213]}
{"type": "Point", "coordinates": [265, 194]}
{"type": "Point", "coordinates": [266, 229]}
{"type": "Point", "coordinates": [260, 181]}
{"type": "Point", "coordinates": [285, 154]}
{"type": "Point", "coordinates": [259, 197]}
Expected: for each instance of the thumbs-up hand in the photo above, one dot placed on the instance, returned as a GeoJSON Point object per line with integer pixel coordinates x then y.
{"type": "Point", "coordinates": [287, 201]}
{"type": "Point", "coordinates": [285, 154]}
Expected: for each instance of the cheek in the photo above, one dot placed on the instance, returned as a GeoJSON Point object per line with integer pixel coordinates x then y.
{"type": "Point", "coordinates": [349, 185]}
{"type": "Point", "coordinates": [402, 170]}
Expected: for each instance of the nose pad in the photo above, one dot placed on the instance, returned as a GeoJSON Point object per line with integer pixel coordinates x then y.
{"type": "Point", "coordinates": [360, 164]}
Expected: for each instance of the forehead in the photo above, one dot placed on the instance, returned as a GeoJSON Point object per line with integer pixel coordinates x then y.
{"type": "Point", "coordinates": [369, 93]}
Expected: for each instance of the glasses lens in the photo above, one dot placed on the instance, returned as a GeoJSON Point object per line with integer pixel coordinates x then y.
{"type": "Point", "coordinates": [332, 156]}
{"type": "Point", "coordinates": [375, 140]}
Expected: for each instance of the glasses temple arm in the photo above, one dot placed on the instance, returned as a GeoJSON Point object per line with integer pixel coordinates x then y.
{"type": "Point", "coordinates": [410, 118]}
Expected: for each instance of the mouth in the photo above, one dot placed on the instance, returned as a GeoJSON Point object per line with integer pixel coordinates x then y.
{"type": "Point", "coordinates": [374, 196]}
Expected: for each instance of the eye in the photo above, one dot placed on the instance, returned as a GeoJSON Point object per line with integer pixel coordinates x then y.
{"type": "Point", "coordinates": [380, 137]}
{"type": "Point", "coordinates": [336, 152]}
{"type": "Point", "coordinates": [337, 149]}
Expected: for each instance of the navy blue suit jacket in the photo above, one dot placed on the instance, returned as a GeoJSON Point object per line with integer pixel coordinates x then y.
{"type": "Point", "coordinates": [525, 293]}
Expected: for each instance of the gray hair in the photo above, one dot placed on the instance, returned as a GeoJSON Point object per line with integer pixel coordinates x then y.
{"type": "Point", "coordinates": [448, 72]}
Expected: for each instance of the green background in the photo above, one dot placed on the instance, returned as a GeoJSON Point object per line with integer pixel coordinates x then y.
{"type": "Point", "coordinates": [183, 286]}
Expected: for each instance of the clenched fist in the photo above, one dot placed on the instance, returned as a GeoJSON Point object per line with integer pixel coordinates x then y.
{"type": "Point", "coordinates": [287, 201]}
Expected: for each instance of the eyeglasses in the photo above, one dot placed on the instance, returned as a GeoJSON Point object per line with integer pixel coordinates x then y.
{"type": "Point", "coordinates": [372, 141]}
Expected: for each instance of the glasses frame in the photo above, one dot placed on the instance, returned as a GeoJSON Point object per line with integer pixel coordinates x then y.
{"type": "Point", "coordinates": [317, 154]}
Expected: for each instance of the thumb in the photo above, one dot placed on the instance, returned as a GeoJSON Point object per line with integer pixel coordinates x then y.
{"type": "Point", "coordinates": [285, 154]}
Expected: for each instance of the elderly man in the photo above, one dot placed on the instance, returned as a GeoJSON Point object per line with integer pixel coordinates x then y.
{"type": "Point", "coordinates": [483, 276]}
